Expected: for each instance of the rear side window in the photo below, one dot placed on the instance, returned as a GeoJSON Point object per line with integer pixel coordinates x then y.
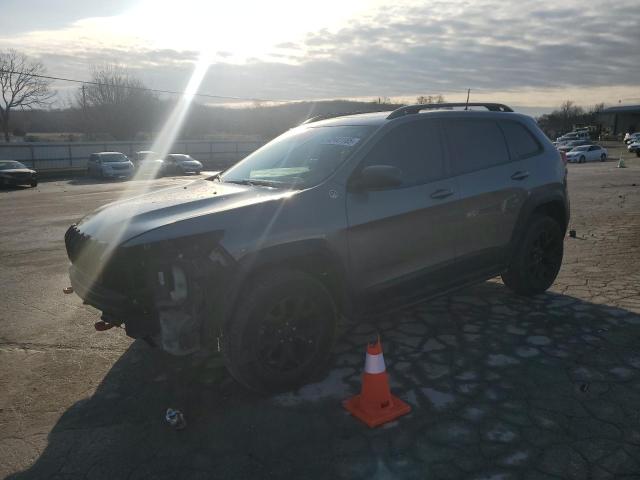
{"type": "Point", "coordinates": [475, 145]}
{"type": "Point", "coordinates": [414, 148]}
{"type": "Point", "coordinates": [521, 142]}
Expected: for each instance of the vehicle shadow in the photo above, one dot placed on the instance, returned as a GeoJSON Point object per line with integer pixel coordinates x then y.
{"type": "Point", "coordinates": [498, 384]}
{"type": "Point", "coordinates": [14, 188]}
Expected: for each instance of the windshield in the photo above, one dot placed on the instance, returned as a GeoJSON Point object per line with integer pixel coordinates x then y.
{"type": "Point", "coordinates": [181, 158]}
{"type": "Point", "coordinates": [113, 157]}
{"type": "Point", "coordinates": [10, 165]}
{"type": "Point", "coordinates": [302, 157]}
{"type": "Point", "coordinates": [147, 156]}
{"type": "Point", "coordinates": [581, 149]}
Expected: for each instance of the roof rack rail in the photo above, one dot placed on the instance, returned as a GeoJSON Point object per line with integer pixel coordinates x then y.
{"type": "Point", "coordinates": [326, 116]}
{"type": "Point", "coordinates": [412, 109]}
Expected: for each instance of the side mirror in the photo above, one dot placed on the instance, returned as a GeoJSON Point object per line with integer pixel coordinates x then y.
{"type": "Point", "coordinates": [377, 177]}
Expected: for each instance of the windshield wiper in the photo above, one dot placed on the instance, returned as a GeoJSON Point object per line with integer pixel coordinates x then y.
{"type": "Point", "coordinates": [252, 182]}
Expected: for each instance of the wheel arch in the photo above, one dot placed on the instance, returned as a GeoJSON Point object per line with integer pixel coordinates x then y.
{"type": "Point", "coordinates": [552, 204]}
{"type": "Point", "coordinates": [314, 257]}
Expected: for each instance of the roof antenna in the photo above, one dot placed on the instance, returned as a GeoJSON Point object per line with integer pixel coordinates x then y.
{"type": "Point", "coordinates": [466, 107]}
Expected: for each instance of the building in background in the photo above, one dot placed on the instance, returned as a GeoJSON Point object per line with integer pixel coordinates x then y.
{"type": "Point", "coordinates": [620, 120]}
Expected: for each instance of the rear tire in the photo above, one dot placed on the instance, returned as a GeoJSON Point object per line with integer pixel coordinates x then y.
{"type": "Point", "coordinates": [582, 159]}
{"type": "Point", "coordinates": [603, 158]}
{"type": "Point", "coordinates": [281, 333]}
{"type": "Point", "coordinates": [34, 184]}
{"type": "Point", "coordinates": [537, 259]}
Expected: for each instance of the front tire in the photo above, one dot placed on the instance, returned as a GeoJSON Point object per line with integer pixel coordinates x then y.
{"type": "Point", "coordinates": [582, 159]}
{"type": "Point", "coordinates": [537, 259]}
{"type": "Point", "coordinates": [281, 333]}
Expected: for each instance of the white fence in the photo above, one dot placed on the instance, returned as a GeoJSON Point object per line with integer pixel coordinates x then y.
{"type": "Point", "coordinates": [51, 157]}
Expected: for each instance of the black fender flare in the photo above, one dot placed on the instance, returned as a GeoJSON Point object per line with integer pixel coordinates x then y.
{"type": "Point", "coordinates": [552, 199]}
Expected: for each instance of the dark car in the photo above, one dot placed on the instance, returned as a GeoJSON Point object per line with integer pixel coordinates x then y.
{"type": "Point", "coordinates": [344, 216]}
{"type": "Point", "coordinates": [15, 173]}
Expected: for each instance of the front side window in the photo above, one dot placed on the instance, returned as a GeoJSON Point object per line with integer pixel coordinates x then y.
{"type": "Point", "coordinates": [475, 144]}
{"type": "Point", "coordinates": [414, 148]}
{"type": "Point", "coordinates": [300, 158]}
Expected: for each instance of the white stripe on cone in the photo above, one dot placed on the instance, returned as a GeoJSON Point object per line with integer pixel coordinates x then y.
{"type": "Point", "coordinates": [374, 364]}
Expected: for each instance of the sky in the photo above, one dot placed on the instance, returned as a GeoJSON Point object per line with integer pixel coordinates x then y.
{"type": "Point", "coordinates": [532, 55]}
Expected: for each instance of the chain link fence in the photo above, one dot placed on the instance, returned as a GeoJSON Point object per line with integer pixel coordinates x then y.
{"type": "Point", "coordinates": [68, 157]}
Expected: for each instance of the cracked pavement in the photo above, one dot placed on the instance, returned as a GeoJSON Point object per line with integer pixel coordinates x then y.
{"type": "Point", "coordinates": [500, 386]}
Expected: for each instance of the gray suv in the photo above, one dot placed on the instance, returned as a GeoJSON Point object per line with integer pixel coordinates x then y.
{"type": "Point", "coordinates": [341, 216]}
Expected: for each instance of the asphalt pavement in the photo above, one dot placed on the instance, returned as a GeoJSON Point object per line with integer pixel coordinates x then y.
{"type": "Point", "coordinates": [500, 386]}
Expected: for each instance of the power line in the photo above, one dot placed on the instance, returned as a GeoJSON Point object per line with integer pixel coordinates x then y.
{"type": "Point", "coordinates": [174, 92]}
{"type": "Point", "coordinates": [131, 87]}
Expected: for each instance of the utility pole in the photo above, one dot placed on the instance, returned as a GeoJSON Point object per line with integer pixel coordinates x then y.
{"type": "Point", "coordinates": [84, 111]}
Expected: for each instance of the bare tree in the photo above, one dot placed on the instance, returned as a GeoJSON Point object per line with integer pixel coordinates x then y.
{"type": "Point", "coordinates": [19, 87]}
{"type": "Point", "coordinates": [116, 102]}
{"type": "Point", "coordinates": [429, 99]}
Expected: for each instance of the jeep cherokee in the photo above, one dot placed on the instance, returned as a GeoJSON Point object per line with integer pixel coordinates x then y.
{"type": "Point", "coordinates": [338, 216]}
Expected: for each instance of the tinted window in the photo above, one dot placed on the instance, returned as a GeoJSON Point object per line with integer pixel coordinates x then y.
{"type": "Point", "coordinates": [521, 142]}
{"type": "Point", "coordinates": [475, 145]}
{"type": "Point", "coordinates": [414, 148]}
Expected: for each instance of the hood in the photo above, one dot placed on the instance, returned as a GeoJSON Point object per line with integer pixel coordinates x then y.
{"type": "Point", "coordinates": [18, 171]}
{"type": "Point", "coordinates": [108, 164]}
{"type": "Point", "coordinates": [123, 220]}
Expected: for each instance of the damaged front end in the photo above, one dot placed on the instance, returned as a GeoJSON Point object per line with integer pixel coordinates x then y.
{"type": "Point", "coordinates": [167, 292]}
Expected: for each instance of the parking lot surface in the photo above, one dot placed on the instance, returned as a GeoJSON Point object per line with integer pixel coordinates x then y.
{"type": "Point", "coordinates": [501, 386]}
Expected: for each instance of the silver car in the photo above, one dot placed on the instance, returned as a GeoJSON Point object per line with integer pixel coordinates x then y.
{"type": "Point", "coordinates": [181, 164]}
{"type": "Point", "coordinates": [109, 165]}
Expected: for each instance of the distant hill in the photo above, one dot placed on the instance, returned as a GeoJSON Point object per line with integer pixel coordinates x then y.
{"type": "Point", "coordinates": [269, 121]}
{"type": "Point", "coordinates": [202, 121]}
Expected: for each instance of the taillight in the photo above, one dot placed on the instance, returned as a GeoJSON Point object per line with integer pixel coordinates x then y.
{"type": "Point", "coordinates": [563, 155]}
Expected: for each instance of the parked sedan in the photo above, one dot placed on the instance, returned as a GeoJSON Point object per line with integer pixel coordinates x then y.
{"type": "Point", "coordinates": [634, 147]}
{"type": "Point", "coordinates": [149, 163]}
{"type": "Point", "coordinates": [15, 173]}
{"type": "Point", "coordinates": [180, 164]}
{"type": "Point", "coordinates": [573, 144]}
{"type": "Point", "coordinates": [631, 137]}
{"type": "Point", "coordinates": [109, 165]}
{"type": "Point", "coordinates": [587, 153]}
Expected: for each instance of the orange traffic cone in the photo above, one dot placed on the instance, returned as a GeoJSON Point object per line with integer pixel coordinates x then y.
{"type": "Point", "coordinates": [375, 405]}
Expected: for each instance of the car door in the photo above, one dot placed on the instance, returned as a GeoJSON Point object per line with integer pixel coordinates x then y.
{"type": "Point", "coordinates": [493, 184]}
{"type": "Point", "coordinates": [594, 153]}
{"type": "Point", "coordinates": [405, 232]}
{"type": "Point", "coordinates": [91, 164]}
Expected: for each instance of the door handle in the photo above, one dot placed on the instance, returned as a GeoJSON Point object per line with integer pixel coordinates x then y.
{"type": "Point", "coordinates": [442, 193]}
{"type": "Point", "coordinates": [520, 175]}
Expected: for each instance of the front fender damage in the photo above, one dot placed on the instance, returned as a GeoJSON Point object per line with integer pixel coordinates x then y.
{"type": "Point", "coordinates": [186, 293]}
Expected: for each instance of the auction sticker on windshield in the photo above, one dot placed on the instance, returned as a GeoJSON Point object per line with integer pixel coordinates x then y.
{"type": "Point", "coordinates": [343, 141]}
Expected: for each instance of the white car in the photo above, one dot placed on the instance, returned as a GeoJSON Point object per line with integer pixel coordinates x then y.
{"type": "Point", "coordinates": [587, 153]}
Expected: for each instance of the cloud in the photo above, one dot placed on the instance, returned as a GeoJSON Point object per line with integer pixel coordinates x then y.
{"type": "Point", "coordinates": [409, 48]}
